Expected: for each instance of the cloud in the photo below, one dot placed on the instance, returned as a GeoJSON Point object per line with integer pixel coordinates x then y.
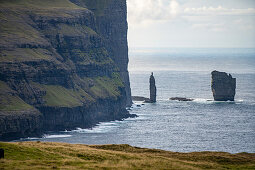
{"type": "Point", "coordinates": [205, 11]}
{"type": "Point", "coordinates": [210, 26]}
{"type": "Point", "coordinates": [219, 19]}
{"type": "Point", "coordinates": [144, 11]}
{"type": "Point", "coordinates": [194, 23]}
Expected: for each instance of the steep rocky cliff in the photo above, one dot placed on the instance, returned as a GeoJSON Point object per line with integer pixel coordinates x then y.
{"type": "Point", "coordinates": [63, 64]}
{"type": "Point", "coordinates": [111, 24]}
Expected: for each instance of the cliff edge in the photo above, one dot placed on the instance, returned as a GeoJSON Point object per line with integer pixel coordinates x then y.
{"type": "Point", "coordinates": [63, 64]}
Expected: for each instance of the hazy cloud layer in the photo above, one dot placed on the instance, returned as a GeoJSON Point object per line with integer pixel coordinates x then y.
{"type": "Point", "coordinates": [218, 11]}
{"type": "Point", "coordinates": [142, 11]}
{"type": "Point", "coordinates": [188, 22]}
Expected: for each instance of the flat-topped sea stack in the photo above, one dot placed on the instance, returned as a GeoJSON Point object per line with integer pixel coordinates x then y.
{"type": "Point", "coordinates": [153, 89]}
{"type": "Point", "coordinates": [223, 86]}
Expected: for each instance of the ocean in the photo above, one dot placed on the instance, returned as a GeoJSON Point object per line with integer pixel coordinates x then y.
{"type": "Point", "coordinates": [198, 125]}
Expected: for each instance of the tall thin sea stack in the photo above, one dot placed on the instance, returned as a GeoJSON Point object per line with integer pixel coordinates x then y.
{"type": "Point", "coordinates": [153, 89]}
{"type": "Point", "coordinates": [223, 86]}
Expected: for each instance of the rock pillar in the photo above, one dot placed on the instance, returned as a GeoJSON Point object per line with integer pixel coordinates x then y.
{"type": "Point", "coordinates": [223, 86]}
{"type": "Point", "coordinates": [153, 89]}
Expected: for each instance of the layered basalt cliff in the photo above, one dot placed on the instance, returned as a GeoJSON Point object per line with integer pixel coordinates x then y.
{"type": "Point", "coordinates": [111, 24]}
{"type": "Point", "coordinates": [63, 65]}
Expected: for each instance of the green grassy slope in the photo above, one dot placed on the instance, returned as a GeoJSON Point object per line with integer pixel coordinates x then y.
{"type": "Point", "coordinates": [9, 101]}
{"type": "Point", "coordinates": [50, 31]}
{"type": "Point", "coordinates": [42, 155]}
{"type": "Point", "coordinates": [97, 6]}
{"type": "Point", "coordinates": [39, 3]}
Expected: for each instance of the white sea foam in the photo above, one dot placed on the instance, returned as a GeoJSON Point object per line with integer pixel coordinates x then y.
{"type": "Point", "coordinates": [25, 139]}
{"type": "Point", "coordinates": [211, 101]}
{"type": "Point", "coordinates": [33, 138]}
{"type": "Point", "coordinates": [201, 100]}
{"type": "Point", "coordinates": [56, 136]}
{"type": "Point", "coordinates": [100, 128]}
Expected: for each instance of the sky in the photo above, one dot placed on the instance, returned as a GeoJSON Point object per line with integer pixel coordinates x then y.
{"type": "Point", "coordinates": [191, 23]}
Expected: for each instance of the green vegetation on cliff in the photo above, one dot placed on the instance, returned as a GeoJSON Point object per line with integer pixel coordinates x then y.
{"type": "Point", "coordinates": [25, 54]}
{"type": "Point", "coordinates": [103, 87]}
{"type": "Point", "coordinates": [43, 155]}
{"type": "Point", "coordinates": [63, 97]}
{"type": "Point", "coordinates": [39, 3]}
{"type": "Point", "coordinates": [97, 6]}
{"type": "Point", "coordinates": [48, 37]}
{"type": "Point", "coordinates": [55, 62]}
{"type": "Point", "coordinates": [9, 101]}
{"type": "Point", "coordinates": [13, 103]}
{"type": "Point", "coordinates": [107, 87]}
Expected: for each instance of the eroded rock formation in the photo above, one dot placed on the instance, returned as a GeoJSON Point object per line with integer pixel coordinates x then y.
{"type": "Point", "coordinates": [223, 86]}
{"type": "Point", "coordinates": [181, 99]}
{"type": "Point", "coordinates": [153, 89]}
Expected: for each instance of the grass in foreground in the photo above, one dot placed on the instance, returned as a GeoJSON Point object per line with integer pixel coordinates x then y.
{"type": "Point", "coordinates": [45, 155]}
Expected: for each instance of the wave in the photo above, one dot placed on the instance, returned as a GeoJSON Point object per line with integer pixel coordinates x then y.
{"type": "Point", "coordinates": [55, 136]}
{"type": "Point", "coordinates": [100, 128]}
{"type": "Point", "coordinates": [211, 101]}
{"type": "Point", "coordinates": [46, 136]}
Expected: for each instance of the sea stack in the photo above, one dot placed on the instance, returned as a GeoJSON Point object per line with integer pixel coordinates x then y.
{"type": "Point", "coordinates": [153, 89]}
{"type": "Point", "coordinates": [223, 86]}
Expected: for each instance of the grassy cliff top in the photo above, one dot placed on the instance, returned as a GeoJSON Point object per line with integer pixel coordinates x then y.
{"type": "Point", "coordinates": [39, 3]}
{"type": "Point", "coordinates": [97, 6]}
{"type": "Point", "coordinates": [43, 155]}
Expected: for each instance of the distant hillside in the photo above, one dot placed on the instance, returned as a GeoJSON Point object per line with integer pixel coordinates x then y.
{"type": "Point", "coordinates": [63, 64]}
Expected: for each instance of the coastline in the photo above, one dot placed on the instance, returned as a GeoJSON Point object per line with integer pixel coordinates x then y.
{"type": "Point", "coordinates": [86, 125]}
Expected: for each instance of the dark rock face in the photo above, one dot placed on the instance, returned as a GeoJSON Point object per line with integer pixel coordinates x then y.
{"type": "Point", "coordinates": [140, 98]}
{"type": "Point", "coordinates": [111, 24]}
{"type": "Point", "coordinates": [64, 67]}
{"type": "Point", "coordinates": [153, 89]}
{"type": "Point", "coordinates": [20, 124]}
{"type": "Point", "coordinates": [181, 99]}
{"type": "Point", "coordinates": [75, 117]}
{"type": "Point", "coordinates": [223, 86]}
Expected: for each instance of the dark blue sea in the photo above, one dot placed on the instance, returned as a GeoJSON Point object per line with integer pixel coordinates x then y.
{"type": "Point", "coordinates": [199, 125]}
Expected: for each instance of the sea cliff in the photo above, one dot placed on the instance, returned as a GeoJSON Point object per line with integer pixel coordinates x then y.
{"type": "Point", "coordinates": [63, 64]}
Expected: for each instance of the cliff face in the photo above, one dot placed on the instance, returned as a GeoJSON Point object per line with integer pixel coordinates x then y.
{"type": "Point", "coordinates": [62, 65]}
{"type": "Point", "coordinates": [111, 24]}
